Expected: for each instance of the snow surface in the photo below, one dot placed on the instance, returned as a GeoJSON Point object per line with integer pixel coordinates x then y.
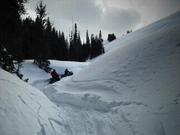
{"type": "Point", "coordinates": [25, 110]}
{"type": "Point", "coordinates": [39, 78]}
{"type": "Point", "coordinates": [133, 89]}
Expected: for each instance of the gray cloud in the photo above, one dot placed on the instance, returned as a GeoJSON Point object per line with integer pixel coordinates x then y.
{"type": "Point", "coordinates": [108, 15]}
{"type": "Point", "coordinates": [87, 13]}
{"type": "Point", "coordinates": [120, 20]}
{"type": "Point", "coordinates": [82, 11]}
{"type": "Point", "coordinates": [150, 10]}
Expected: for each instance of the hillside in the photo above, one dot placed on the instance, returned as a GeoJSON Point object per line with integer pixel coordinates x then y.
{"type": "Point", "coordinates": [25, 110]}
{"type": "Point", "coordinates": [133, 89]}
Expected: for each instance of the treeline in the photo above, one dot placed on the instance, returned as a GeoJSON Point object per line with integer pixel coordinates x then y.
{"type": "Point", "coordinates": [38, 39]}
{"type": "Point", "coordinates": [79, 51]}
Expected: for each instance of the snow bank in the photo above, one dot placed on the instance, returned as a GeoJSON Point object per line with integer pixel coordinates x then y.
{"type": "Point", "coordinates": [24, 110]}
{"type": "Point", "coordinates": [132, 89]}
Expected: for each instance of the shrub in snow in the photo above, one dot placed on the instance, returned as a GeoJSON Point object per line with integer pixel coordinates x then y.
{"type": "Point", "coordinates": [128, 31]}
{"type": "Point", "coordinates": [43, 64]}
{"type": "Point", "coordinates": [6, 60]}
{"type": "Point", "coordinates": [111, 37]}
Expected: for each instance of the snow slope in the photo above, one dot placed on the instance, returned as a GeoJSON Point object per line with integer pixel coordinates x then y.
{"type": "Point", "coordinates": [133, 89]}
{"type": "Point", "coordinates": [25, 110]}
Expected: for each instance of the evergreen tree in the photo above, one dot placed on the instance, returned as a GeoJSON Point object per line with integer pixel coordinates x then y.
{"type": "Point", "coordinates": [48, 37]}
{"type": "Point", "coordinates": [75, 45]}
{"type": "Point", "coordinates": [96, 46]}
{"type": "Point", "coordinates": [38, 39]}
{"type": "Point", "coordinates": [6, 60]}
{"type": "Point", "coordinates": [41, 13]}
{"type": "Point", "coordinates": [64, 45]}
{"type": "Point", "coordinates": [28, 38]}
{"type": "Point", "coordinates": [86, 48]}
{"type": "Point", "coordinates": [11, 11]}
{"type": "Point", "coordinates": [88, 45]}
{"type": "Point", "coordinates": [111, 37]}
{"type": "Point", "coordinates": [93, 45]}
{"type": "Point", "coordinates": [100, 36]}
{"type": "Point", "coordinates": [41, 48]}
{"type": "Point", "coordinates": [48, 28]}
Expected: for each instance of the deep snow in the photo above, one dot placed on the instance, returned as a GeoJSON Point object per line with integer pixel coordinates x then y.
{"type": "Point", "coordinates": [25, 110]}
{"type": "Point", "coordinates": [133, 89]}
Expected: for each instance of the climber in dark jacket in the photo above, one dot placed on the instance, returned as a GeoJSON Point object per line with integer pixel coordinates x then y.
{"type": "Point", "coordinates": [55, 76]}
{"type": "Point", "coordinates": [66, 73]}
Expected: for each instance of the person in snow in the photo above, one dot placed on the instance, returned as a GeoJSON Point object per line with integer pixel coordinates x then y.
{"type": "Point", "coordinates": [55, 76]}
{"type": "Point", "coordinates": [67, 72]}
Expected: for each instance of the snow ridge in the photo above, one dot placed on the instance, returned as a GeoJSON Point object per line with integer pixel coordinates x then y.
{"type": "Point", "coordinates": [135, 85]}
{"type": "Point", "coordinates": [133, 89]}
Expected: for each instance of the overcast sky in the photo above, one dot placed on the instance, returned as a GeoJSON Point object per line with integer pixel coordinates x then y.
{"type": "Point", "coordinates": [111, 16]}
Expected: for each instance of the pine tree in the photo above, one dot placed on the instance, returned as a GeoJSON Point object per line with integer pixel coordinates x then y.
{"type": "Point", "coordinates": [96, 46]}
{"type": "Point", "coordinates": [75, 45]}
{"type": "Point", "coordinates": [10, 24]}
{"type": "Point", "coordinates": [41, 48]}
{"type": "Point", "coordinates": [6, 60]}
{"type": "Point", "coordinates": [111, 37]}
{"type": "Point", "coordinates": [86, 48]}
{"type": "Point", "coordinates": [100, 36]}
{"type": "Point", "coordinates": [41, 12]}
{"type": "Point", "coordinates": [64, 45]}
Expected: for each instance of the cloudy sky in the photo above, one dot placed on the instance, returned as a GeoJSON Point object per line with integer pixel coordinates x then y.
{"type": "Point", "coordinates": [111, 16]}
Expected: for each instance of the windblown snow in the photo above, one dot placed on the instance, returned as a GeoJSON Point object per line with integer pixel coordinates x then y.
{"type": "Point", "coordinates": [133, 89]}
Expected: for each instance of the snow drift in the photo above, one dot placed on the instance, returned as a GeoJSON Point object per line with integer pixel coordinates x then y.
{"type": "Point", "coordinates": [132, 89]}
{"type": "Point", "coordinates": [25, 110]}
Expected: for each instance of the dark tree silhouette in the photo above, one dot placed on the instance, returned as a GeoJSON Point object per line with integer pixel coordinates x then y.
{"type": "Point", "coordinates": [10, 13]}
{"type": "Point", "coordinates": [96, 46]}
{"type": "Point", "coordinates": [6, 60]}
{"type": "Point", "coordinates": [111, 37]}
{"type": "Point", "coordinates": [75, 45]}
{"type": "Point", "coordinates": [38, 39]}
{"type": "Point", "coordinates": [86, 47]}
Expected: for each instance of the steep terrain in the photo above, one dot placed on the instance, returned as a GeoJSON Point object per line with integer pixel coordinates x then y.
{"type": "Point", "coordinates": [25, 110]}
{"type": "Point", "coordinates": [133, 89]}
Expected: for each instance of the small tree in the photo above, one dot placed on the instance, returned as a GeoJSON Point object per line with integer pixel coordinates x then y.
{"type": "Point", "coordinates": [6, 60]}
{"type": "Point", "coordinates": [128, 31]}
{"type": "Point", "coordinates": [41, 48]}
{"type": "Point", "coordinates": [111, 37]}
{"type": "Point", "coordinates": [41, 12]}
{"type": "Point", "coordinates": [75, 45]}
{"type": "Point", "coordinates": [96, 46]}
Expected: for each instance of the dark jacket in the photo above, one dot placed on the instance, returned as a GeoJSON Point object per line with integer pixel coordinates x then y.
{"type": "Point", "coordinates": [54, 74]}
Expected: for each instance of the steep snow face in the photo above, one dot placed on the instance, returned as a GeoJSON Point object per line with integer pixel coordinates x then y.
{"type": "Point", "coordinates": [24, 110]}
{"type": "Point", "coordinates": [133, 89]}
